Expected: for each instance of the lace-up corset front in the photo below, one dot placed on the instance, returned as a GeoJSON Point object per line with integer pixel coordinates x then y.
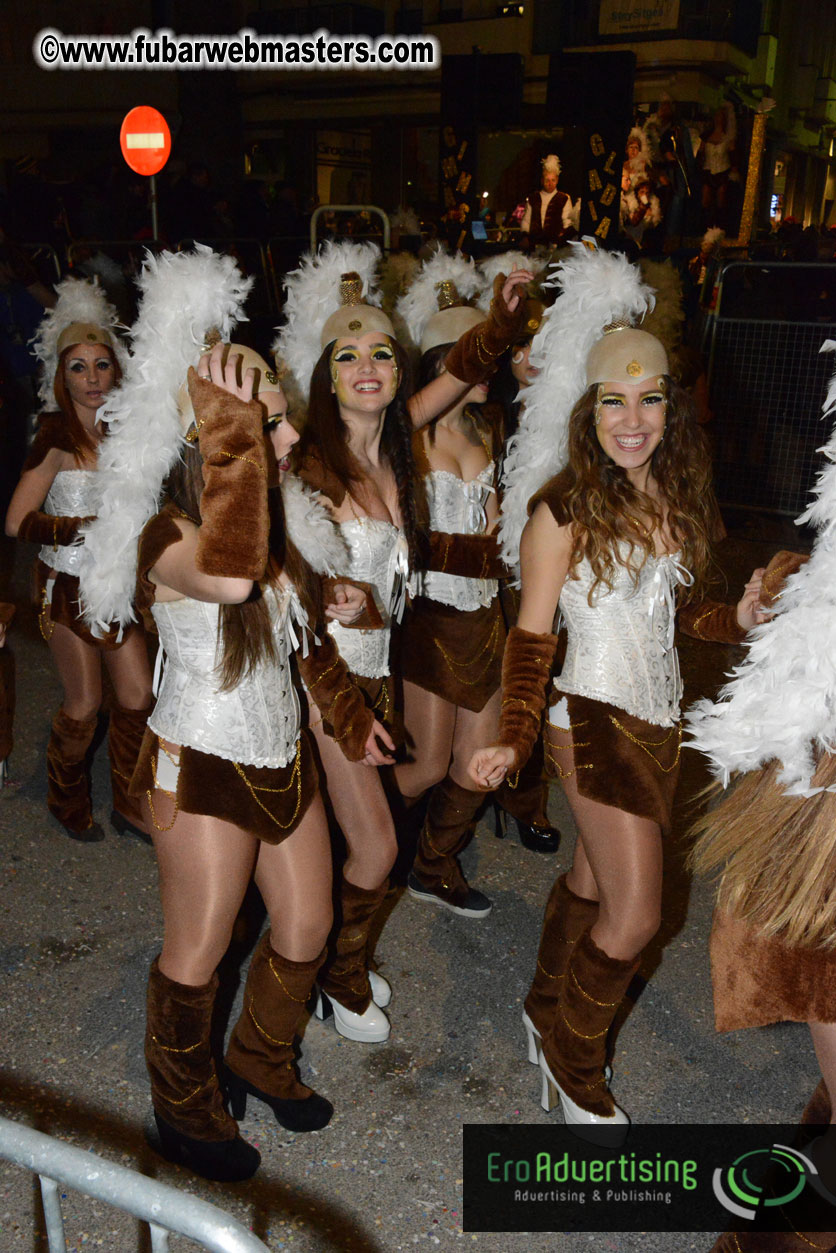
{"type": "Point", "coordinates": [457, 506]}
{"type": "Point", "coordinates": [257, 722]}
{"type": "Point", "coordinates": [620, 649]}
{"type": "Point", "coordinates": [378, 554]}
{"type": "Point", "coordinates": [72, 495]}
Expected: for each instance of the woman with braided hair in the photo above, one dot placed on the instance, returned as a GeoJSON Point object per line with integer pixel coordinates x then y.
{"type": "Point", "coordinates": [356, 450]}
{"type": "Point", "coordinates": [81, 360]}
{"type": "Point", "coordinates": [611, 537]}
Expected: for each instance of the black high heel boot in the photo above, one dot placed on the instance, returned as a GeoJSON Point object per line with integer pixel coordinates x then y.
{"type": "Point", "coordinates": [536, 839]}
{"type": "Point", "coordinates": [294, 1115]}
{"type": "Point", "coordinates": [223, 1161]}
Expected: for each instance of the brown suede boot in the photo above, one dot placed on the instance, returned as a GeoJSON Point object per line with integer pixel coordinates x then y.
{"type": "Point", "coordinates": [194, 1128]}
{"type": "Point", "coordinates": [567, 916]}
{"type": "Point", "coordinates": [575, 1048]}
{"type": "Point", "coordinates": [775, 1242]}
{"type": "Point", "coordinates": [260, 1057]}
{"type": "Point", "coordinates": [68, 782]}
{"type": "Point", "coordinates": [526, 803]}
{"type": "Point", "coordinates": [448, 829]}
{"type": "Point", "coordinates": [345, 974]}
{"type": "Point", "coordinates": [127, 727]}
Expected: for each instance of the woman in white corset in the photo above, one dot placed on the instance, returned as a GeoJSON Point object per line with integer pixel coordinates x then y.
{"type": "Point", "coordinates": [356, 450]}
{"type": "Point", "coordinates": [81, 360]}
{"type": "Point", "coordinates": [230, 567]}
{"type": "Point", "coordinates": [613, 538]}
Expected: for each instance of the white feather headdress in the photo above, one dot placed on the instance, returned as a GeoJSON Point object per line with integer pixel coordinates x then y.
{"type": "Point", "coordinates": [595, 288]}
{"type": "Point", "coordinates": [79, 300]}
{"type": "Point", "coordinates": [421, 301]}
{"type": "Point", "coordinates": [503, 263]}
{"type": "Point", "coordinates": [183, 296]}
{"type": "Point", "coordinates": [313, 294]}
{"type": "Point", "coordinates": [780, 702]}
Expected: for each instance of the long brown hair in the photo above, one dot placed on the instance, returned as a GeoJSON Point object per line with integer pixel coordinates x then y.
{"type": "Point", "coordinates": [246, 636]}
{"type": "Point", "coordinates": [326, 436]}
{"type": "Point", "coordinates": [605, 509]}
{"type": "Point", "coordinates": [83, 443]}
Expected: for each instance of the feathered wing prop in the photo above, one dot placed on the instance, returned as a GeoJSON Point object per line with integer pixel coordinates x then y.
{"type": "Point", "coordinates": [781, 700]}
{"type": "Point", "coordinates": [312, 295]}
{"type": "Point", "coordinates": [78, 301]}
{"type": "Point", "coordinates": [421, 301]}
{"type": "Point", "coordinates": [311, 528]}
{"type": "Point", "coordinates": [595, 288]}
{"type": "Point", "coordinates": [183, 296]}
{"type": "Point", "coordinates": [502, 263]}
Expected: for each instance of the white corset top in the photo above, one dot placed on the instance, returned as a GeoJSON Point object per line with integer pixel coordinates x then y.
{"type": "Point", "coordinates": [72, 495]}
{"type": "Point", "coordinates": [620, 649]}
{"type": "Point", "coordinates": [457, 506]}
{"type": "Point", "coordinates": [257, 722]}
{"type": "Point", "coordinates": [379, 555]}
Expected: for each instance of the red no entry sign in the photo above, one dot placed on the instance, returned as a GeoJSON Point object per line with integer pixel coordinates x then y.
{"type": "Point", "coordinates": [145, 140]}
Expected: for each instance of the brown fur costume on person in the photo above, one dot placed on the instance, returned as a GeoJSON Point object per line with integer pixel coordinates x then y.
{"type": "Point", "coordinates": [454, 653]}
{"type": "Point", "coordinates": [471, 556]}
{"type": "Point", "coordinates": [526, 669]}
{"type": "Point", "coordinates": [63, 607]}
{"type": "Point", "coordinates": [473, 357]}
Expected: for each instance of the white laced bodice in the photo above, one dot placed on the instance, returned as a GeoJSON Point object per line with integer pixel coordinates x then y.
{"type": "Point", "coordinates": [458, 506]}
{"type": "Point", "coordinates": [257, 722]}
{"type": "Point", "coordinates": [72, 495]}
{"type": "Point", "coordinates": [379, 555]}
{"type": "Point", "coordinates": [621, 648]}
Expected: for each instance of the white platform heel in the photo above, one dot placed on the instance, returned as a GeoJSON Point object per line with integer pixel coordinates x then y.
{"type": "Point", "coordinates": [609, 1131]}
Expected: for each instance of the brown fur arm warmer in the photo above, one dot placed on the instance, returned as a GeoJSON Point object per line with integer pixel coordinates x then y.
{"type": "Point", "coordinates": [234, 521]}
{"type": "Point", "coordinates": [471, 556]}
{"type": "Point", "coordinates": [45, 528]}
{"type": "Point", "coordinates": [712, 620]}
{"type": "Point", "coordinates": [526, 670]}
{"type": "Point", "coordinates": [782, 565]}
{"type": "Point", "coordinates": [473, 358]}
{"type": "Point", "coordinates": [370, 619]}
{"type": "Point", "coordinates": [337, 697]}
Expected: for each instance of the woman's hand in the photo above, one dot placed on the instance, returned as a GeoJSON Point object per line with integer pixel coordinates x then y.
{"type": "Point", "coordinates": [347, 605]}
{"type": "Point", "coordinates": [750, 612]}
{"type": "Point", "coordinates": [374, 754]}
{"type": "Point", "coordinates": [513, 288]}
{"type": "Point", "coordinates": [489, 766]}
{"type": "Point", "coordinates": [211, 367]}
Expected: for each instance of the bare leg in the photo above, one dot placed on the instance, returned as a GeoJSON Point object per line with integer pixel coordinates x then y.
{"type": "Point", "coordinates": [294, 878]}
{"type": "Point", "coordinates": [129, 670]}
{"type": "Point", "coordinates": [361, 809]}
{"type": "Point", "coordinates": [824, 1042]}
{"type": "Point", "coordinates": [80, 671]}
{"type": "Point", "coordinates": [472, 730]}
{"type": "Point", "coordinates": [618, 860]}
{"type": "Point", "coordinates": [430, 723]}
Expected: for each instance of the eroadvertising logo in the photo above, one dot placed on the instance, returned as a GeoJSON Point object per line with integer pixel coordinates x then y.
{"type": "Point", "coordinates": [664, 1178]}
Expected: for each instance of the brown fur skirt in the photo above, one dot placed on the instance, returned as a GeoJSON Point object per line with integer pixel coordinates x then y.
{"type": "Point", "coordinates": [758, 980]}
{"type": "Point", "coordinates": [618, 760]}
{"type": "Point", "coordinates": [455, 653]}
{"type": "Point", "coordinates": [64, 608]}
{"type": "Point", "coordinates": [269, 802]}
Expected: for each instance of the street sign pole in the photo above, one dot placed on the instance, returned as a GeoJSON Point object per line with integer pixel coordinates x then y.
{"type": "Point", "coordinates": [145, 141]}
{"type": "Point", "coordinates": [155, 225]}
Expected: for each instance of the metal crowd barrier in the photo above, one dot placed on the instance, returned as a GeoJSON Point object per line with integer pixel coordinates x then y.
{"type": "Point", "coordinates": [166, 1210]}
{"type": "Point", "coordinates": [349, 208]}
{"type": "Point", "coordinates": [767, 380]}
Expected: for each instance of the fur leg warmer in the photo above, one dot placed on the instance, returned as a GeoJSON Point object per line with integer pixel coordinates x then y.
{"type": "Point", "coordinates": [68, 781]}
{"type": "Point", "coordinates": [261, 1048]}
{"type": "Point", "coordinates": [576, 1047]}
{"type": "Point", "coordinates": [184, 1083]}
{"type": "Point", "coordinates": [566, 918]}
{"type": "Point", "coordinates": [127, 727]}
{"type": "Point", "coordinates": [448, 829]}
{"type": "Point", "coordinates": [345, 976]}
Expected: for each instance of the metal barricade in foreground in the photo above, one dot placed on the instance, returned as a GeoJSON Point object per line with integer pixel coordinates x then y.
{"type": "Point", "coordinates": [165, 1209]}
{"type": "Point", "coordinates": [374, 209]}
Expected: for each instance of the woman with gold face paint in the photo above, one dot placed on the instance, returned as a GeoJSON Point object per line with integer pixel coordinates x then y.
{"type": "Point", "coordinates": [80, 364]}
{"type": "Point", "coordinates": [613, 538]}
{"type": "Point", "coordinates": [356, 450]}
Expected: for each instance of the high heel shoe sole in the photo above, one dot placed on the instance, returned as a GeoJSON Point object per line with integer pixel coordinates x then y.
{"type": "Point", "coordinates": [311, 1114]}
{"type": "Point", "coordinates": [593, 1128]}
{"type": "Point", "coordinates": [223, 1161]}
{"type": "Point", "coordinates": [325, 1005]}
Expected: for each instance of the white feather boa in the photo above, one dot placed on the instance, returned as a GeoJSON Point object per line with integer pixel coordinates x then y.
{"type": "Point", "coordinates": [420, 303]}
{"type": "Point", "coordinates": [596, 288]}
{"type": "Point", "coordinates": [312, 529]}
{"type": "Point", "coordinates": [183, 296]}
{"type": "Point", "coordinates": [780, 702]}
{"type": "Point", "coordinates": [312, 295]}
{"type": "Point", "coordinates": [78, 301]}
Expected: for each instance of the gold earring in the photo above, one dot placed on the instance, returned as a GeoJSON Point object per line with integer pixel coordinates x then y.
{"type": "Point", "coordinates": [335, 374]}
